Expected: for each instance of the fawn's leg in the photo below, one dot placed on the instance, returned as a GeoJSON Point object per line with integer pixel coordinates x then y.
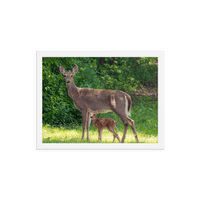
{"type": "Point", "coordinates": [117, 137]}
{"type": "Point", "coordinates": [114, 134]}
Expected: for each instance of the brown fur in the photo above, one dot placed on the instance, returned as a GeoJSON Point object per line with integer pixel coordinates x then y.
{"type": "Point", "coordinates": [101, 123]}
{"type": "Point", "coordinates": [94, 99]}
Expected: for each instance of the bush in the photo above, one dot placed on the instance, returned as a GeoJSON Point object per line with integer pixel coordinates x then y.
{"type": "Point", "coordinates": [128, 74]}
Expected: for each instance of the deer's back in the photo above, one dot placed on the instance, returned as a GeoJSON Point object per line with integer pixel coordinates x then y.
{"type": "Point", "coordinates": [98, 99]}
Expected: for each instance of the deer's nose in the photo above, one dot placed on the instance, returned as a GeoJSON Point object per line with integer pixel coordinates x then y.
{"type": "Point", "coordinates": [68, 81]}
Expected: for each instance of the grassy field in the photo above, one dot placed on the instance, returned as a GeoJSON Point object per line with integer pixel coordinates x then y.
{"type": "Point", "coordinates": [146, 123]}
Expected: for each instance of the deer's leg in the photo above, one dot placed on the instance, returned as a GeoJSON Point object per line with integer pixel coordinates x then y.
{"type": "Point", "coordinates": [127, 121]}
{"type": "Point", "coordinates": [134, 131]}
{"type": "Point", "coordinates": [114, 134]}
{"type": "Point", "coordinates": [84, 118]}
{"type": "Point", "coordinates": [88, 125]}
{"type": "Point", "coordinates": [125, 130]}
{"type": "Point", "coordinates": [131, 123]}
{"type": "Point", "coordinates": [120, 110]}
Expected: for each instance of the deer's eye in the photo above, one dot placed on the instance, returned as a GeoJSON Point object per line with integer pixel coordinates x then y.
{"type": "Point", "coordinates": [71, 75]}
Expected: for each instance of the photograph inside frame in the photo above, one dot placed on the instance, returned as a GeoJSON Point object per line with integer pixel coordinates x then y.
{"type": "Point", "coordinates": [100, 100]}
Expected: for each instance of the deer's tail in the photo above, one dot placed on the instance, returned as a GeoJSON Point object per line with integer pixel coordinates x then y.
{"type": "Point", "coordinates": [128, 104]}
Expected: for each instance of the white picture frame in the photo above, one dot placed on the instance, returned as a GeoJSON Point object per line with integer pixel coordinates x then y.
{"type": "Point", "coordinates": [39, 146]}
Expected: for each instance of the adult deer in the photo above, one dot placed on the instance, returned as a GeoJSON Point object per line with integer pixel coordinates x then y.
{"type": "Point", "coordinates": [86, 99]}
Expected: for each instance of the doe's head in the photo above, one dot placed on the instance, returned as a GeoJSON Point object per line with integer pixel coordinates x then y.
{"type": "Point", "coordinates": [68, 75]}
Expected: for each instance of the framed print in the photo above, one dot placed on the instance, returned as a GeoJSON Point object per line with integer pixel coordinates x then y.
{"type": "Point", "coordinates": [100, 100]}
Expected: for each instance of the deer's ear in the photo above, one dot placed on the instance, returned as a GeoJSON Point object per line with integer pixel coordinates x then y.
{"type": "Point", "coordinates": [62, 70]}
{"type": "Point", "coordinates": [75, 69]}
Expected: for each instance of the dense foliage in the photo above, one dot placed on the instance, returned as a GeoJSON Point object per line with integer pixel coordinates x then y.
{"type": "Point", "coordinates": [126, 74]}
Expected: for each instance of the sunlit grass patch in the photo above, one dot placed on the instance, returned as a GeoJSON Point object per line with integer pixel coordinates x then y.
{"type": "Point", "coordinates": [71, 136]}
{"type": "Point", "coordinates": [145, 117]}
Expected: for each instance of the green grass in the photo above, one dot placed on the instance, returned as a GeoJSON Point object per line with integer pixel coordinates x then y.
{"type": "Point", "coordinates": [145, 117]}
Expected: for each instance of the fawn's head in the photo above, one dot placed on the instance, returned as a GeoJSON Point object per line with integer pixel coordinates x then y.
{"type": "Point", "coordinates": [68, 75]}
{"type": "Point", "coordinates": [93, 114]}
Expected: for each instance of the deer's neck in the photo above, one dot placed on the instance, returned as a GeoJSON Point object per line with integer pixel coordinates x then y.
{"type": "Point", "coordinates": [73, 90]}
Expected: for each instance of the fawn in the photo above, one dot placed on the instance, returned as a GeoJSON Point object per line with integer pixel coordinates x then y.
{"type": "Point", "coordinates": [101, 123]}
